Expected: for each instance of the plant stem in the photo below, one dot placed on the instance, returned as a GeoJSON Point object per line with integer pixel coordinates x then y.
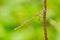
{"type": "Point", "coordinates": [44, 17]}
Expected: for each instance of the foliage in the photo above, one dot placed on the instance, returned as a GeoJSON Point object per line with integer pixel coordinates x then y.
{"type": "Point", "coordinates": [13, 13]}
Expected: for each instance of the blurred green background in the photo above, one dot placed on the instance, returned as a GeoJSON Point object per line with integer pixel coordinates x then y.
{"type": "Point", "coordinates": [13, 14]}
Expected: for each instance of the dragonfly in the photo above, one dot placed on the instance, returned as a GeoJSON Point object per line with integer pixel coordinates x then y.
{"type": "Point", "coordinates": [38, 14]}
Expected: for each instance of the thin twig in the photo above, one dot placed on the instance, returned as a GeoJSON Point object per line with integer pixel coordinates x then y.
{"type": "Point", "coordinates": [44, 17]}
